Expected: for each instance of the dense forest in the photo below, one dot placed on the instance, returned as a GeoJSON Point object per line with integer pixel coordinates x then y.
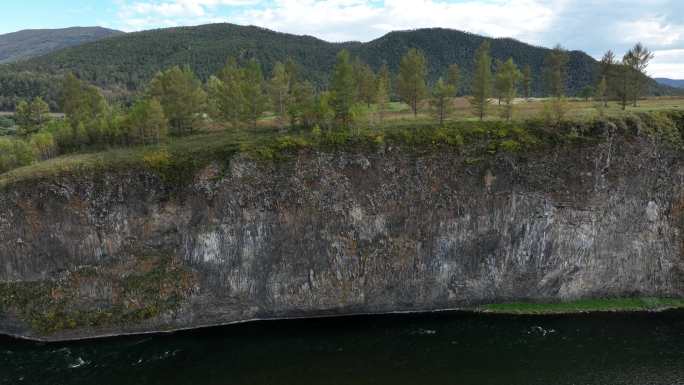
{"type": "Point", "coordinates": [30, 43]}
{"type": "Point", "coordinates": [123, 65]}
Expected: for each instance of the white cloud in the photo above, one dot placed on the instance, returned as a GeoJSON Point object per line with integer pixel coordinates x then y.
{"type": "Point", "coordinates": [142, 14]}
{"type": "Point", "coordinates": [340, 20]}
{"type": "Point", "coordinates": [654, 31]}
{"type": "Point", "coordinates": [668, 64]}
{"type": "Point", "coordinates": [590, 25]}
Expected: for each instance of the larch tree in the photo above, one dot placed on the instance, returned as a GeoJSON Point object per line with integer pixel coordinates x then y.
{"type": "Point", "coordinates": [254, 98]}
{"type": "Point", "coordinates": [343, 89]}
{"type": "Point", "coordinates": [527, 81]}
{"type": "Point", "coordinates": [279, 88]}
{"type": "Point", "coordinates": [556, 71]}
{"type": "Point", "coordinates": [454, 77]}
{"type": "Point", "coordinates": [640, 59]}
{"type": "Point", "coordinates": [181, 95]}
{"type": "Point", "coordinates": [499, 80]}
{"type": "Point", "coordinates": [601, 92]}
{"type": "Point", "coordinates": [411, 84]}
{"type": "Point", "coordinates": [608, 73]}
{"type": "Point", "coordinates": [481, 86]}
{"type": "Point", "coordinates": [441, 100]}
{"type": "Point", "coordinates": [146, 122]}
{"type": "Point", "coordinates": [302, 104]}
{"type": "Point", "coordinates": [366, 84]}
{"type": "Point", "coordinates": [85, 109]}
{"type": "Point", "coordinates": [508, 76]}
{"type": "Point", "coordinates": [225, 93]}
{"type": "Point", "coordinates": [625, 79]}
{"type": "Point", "coordinates": [382, 95]}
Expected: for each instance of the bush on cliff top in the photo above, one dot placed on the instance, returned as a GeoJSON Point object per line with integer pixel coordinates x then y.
{"type": "Point", "coordinates": [180, 158]}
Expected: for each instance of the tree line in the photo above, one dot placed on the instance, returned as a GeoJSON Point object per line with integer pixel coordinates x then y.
{"type": "Point", "coordinates": [177, 103]}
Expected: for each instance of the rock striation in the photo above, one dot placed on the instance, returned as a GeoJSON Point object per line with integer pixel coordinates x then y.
{"type": "Point", "coordinates": [338, 232]}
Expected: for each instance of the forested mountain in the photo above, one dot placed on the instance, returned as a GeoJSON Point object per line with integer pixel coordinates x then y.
{"type": "Point", "coordinates": [124, 64]}
{"type": "Point", "coordinates": [670, 82]}
{"type": "Point", "coordinates": [35, 42]}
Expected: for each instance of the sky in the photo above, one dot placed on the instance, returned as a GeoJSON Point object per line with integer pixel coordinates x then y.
{"type": "Point", "coordinates": [593, 26]}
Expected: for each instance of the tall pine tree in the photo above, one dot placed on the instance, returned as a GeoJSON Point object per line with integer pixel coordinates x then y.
{"type": "Point", "coordinates": [481, 86]}
{"type": "Point", "coordinates": [411, 84]}
{"type": "Point", "coordinates": [343, 89]}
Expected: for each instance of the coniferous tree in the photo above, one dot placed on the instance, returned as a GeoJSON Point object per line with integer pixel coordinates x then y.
{"type": "Point", "coordinates": [181, 95]}
{"type": "Point", "coordinates": [587, 92]}
{"type": "Point", "coordinates": [31, 116]}
{"type": "Point", "coordinates": [225, 93]}
{"type": "Point", "coordinates": [639, 59]}
{"type": "Point", "coordinates": [454, 77]}
{"type": "Point", "coordinates": [556, 71]}
{"type": "Point", "coordinates": [366, 84]}
{"type": "Point", "coordinates": [499, 80]}
{"type": "Point", "coordinates": [441, 100]}
{"type": "Point", "coordinates": [384, 90]}
{"type": "Point", "coordinates": [527, 81]}
{"type": "Point", "coordinates": [279, 87]}
{"type": "Point", "coordinates": [255, 100]}
{"type": "Point", "coordinates": [86, 111]}
{"type": "Point", "coordinates": [556, 63]}
{"type": "Point", "coordinates": [302, 104]}
{"type": "Point", "coordinates": [411, 83]}
{"type": "Point", "coordinates": [481, 86]}
{"type": "Point", "coordinates": [22, 116]}
{"type": "Point", "coordinates": [625, 79]}
{"type": "Point", "coordinates": [382, 98]}
{"type": "Point", "coordinates": [81, 103]}
{"type": "Point", "coordinates": [608, 73]}
{"type": "Point", "coordinates": [343, 89]}
{"type": "Point", "coordinates": [509, 76]}
{"type": "Point", "coordinates": [146, 122]}
{"type": "Point", "coordinates": [385, 76]}
{"type": "Point", "coordinates": [601, 92]}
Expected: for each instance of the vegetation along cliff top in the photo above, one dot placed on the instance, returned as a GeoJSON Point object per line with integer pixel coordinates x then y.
{"type": "Point", "coordinates": [179, 122]}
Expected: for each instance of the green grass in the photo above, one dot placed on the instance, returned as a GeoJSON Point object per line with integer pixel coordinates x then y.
{"type": "Point", "coordinates": [179, 158]}
{"type": "Point", "coordinates": [588, 305]}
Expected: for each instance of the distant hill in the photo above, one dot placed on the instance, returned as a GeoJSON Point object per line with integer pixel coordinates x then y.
{"type": "Point", "coordinates": [35, 42]}
{"type": "Point", "coordinates": [124, 64]}
{"type": "Point", "coordinates": [670, 82]}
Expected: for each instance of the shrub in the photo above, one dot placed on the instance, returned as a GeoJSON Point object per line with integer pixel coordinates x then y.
{"type": "Point", "coordinates": [43, 145]}
{"type": "Point", "coordinates": [14, 153]}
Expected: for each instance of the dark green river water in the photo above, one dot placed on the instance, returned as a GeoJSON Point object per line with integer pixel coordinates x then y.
{"type": "Point", "coordinates": [447, 348]}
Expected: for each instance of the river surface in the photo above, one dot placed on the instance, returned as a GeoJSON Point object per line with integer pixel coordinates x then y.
{"type": "Point", "coordinates": [444, 348]}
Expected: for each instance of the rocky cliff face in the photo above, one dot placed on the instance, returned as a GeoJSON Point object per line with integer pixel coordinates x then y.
{"type": "Point", "coordinates": [338, 233]}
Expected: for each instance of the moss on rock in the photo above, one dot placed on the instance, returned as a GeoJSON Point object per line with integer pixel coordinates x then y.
{"type": "Point", "coordinates": [149, 287]}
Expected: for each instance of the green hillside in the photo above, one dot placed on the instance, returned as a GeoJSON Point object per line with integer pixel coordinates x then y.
{"type": "Point", "coordinates": [30, 43]}
{"type": "Point", "coordinates": [124, 64]}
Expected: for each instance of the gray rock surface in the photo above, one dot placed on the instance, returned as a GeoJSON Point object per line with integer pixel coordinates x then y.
{"type": "Point", "coordinates": [339, 233]}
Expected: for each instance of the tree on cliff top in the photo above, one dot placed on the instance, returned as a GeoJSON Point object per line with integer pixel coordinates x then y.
{"type": "Point", "coordinates": [482, 81]}
{"type": "Point", "coordinates": [411, 83]}
{"type": "Point", "coordinates": [181, 95]}
{"type": "Point", "coordinates": [343, 89]}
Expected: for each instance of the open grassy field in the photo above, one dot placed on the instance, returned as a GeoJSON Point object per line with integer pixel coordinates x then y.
{"type": "Point", "coordinates": [588, 305]}
{"type": "Point", "coordinates": [531, 108]}
{"type": "Point", "coordinates": [399, 113]}
{"type": "Point", "coordinates": [463, 132]}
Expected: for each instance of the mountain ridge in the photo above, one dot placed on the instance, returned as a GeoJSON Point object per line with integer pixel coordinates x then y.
{"type": "Point", "coordinates": [29, 43]}
{"type": "Point", "coordinates": [122, 65]}
{"type": "Point", "coordinates": [676, 83]}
